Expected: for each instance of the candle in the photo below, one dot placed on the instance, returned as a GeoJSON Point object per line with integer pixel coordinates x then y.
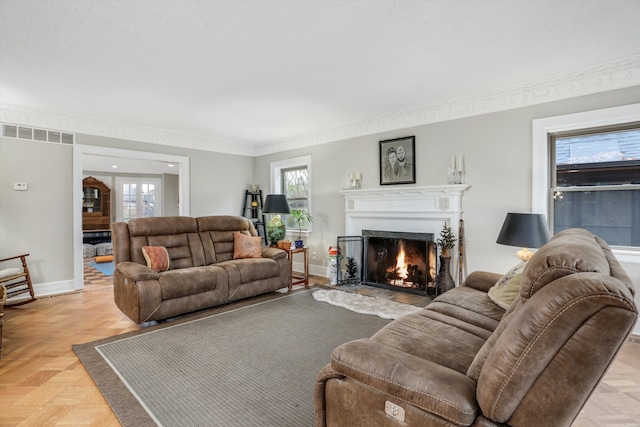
{"type": "Point", "coordinates": [461, 163]}
{"type": "Point", "coordinates": [453, 163]}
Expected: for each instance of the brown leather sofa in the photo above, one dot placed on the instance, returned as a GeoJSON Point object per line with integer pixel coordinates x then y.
{"type": "Point", "coordinates": [463, 361]}
{"type": "Point", "coordinates": [202, 271]}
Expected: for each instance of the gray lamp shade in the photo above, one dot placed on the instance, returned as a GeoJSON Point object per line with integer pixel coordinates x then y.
{"type": "Point", "coordinates": [526, 230]}
{"type": "Point", "coordinates": [276, 203]}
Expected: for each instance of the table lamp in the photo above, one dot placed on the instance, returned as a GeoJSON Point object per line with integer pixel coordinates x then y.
{"type": "Point", "coordinates": [276, 204]}
{"type": "Point", "coordinates": [524, 230]}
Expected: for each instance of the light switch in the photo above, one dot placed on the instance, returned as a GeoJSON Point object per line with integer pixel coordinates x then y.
{"type": "Point", "coordinates": [20, 186]}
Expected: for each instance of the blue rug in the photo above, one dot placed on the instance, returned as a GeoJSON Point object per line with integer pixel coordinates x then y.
{"type": "Point", "coordinates": [105, 268]}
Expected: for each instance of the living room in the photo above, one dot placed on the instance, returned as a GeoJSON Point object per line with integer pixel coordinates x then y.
{"type": "Point", "coordinates": [492, 126]}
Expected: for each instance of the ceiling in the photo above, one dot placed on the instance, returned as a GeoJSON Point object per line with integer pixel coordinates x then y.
{"type": "Point", "coordinates": [259, 76]}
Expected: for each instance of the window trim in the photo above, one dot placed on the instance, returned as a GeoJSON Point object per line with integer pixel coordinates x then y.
{"type": "Point", "coordinates": [541, 128]}
{"type": "Point", "coordinates": [276, 182]}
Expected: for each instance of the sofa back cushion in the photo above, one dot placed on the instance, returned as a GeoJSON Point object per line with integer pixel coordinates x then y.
{"type": "Point", "coordinates": [178, 234]}
{"type": "Point", "coordinates": [553, 260]}
{"type": "Point", "coordinates": [575, 310]}
{"type": "Point", "coordinates": [217, 235]}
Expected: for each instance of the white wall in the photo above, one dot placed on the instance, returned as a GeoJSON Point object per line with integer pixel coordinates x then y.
{"type": "Point", "coordinates": [498, 153]}
{"type": "Point", "coordinates": [40, 221]}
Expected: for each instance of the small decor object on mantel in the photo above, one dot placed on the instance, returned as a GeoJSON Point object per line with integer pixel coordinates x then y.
{"type": "Point", "coordinates": [300, 217]}
{"type": "Point", "coordinates": [397, 161]}
{"type": "Point", "coordinates": [447, 241]}
{"type": "Point", "coordinates": [455, 172]}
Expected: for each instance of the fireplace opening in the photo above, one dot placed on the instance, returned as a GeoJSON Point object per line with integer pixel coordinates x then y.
{"type": "Point", "coordinates": [400, 261]}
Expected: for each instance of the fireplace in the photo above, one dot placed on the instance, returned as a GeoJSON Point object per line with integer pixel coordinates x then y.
{"type": "Point", "coordinates": [407, 209]}
{"type": "Point", "coordinates": [402, 261]}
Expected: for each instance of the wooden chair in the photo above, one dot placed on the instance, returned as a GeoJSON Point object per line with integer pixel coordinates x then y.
{"type": "Point", "coordinates": [3, 298]}
{"type": "Point", "coordinates": [17, 281]}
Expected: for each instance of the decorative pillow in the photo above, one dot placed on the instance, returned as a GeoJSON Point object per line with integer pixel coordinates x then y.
{"type": "Point", "coordinates": [507, 289]}
{"type": "Point", "coordinates": [157, 257]}
{"type": "Point", "coordinates": [246, 246]}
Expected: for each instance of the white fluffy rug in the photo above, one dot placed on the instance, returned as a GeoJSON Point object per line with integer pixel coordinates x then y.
{"type": "Point", "coordinates": [381, 307]}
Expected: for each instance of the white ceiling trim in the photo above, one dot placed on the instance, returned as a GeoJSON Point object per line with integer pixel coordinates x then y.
{"type": "Point", "coordinates": [604, 77]}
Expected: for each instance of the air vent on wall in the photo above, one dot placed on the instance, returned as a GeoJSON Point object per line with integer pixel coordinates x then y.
{"type": "Point", "coordinates": [44, 135]}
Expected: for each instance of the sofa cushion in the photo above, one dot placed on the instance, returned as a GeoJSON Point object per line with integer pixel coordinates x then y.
{"type": "Point", "coordinates": [217, 235]}
{"type": "Point", "coordinates": [176, 233]}
{"type": "Point", "coordinates": [507, 289]}
{"type": "Point", "coordinates": [246, 246]}
{"type": "Point", "coordinates": [193, 280]}
{"type": "Point", "coordinates": [242, 271]}
{"type": "Point", "coordinates": [157, 258]}
{"type": "Point", "coordinates": [449, 331]}
{"type": "Point", "coordinates": [553, 261]}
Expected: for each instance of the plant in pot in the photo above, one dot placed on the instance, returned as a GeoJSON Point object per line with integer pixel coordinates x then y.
{"type": "Point", "coordinates": [300, 217]}
{"type": "Point", "coordinates": [447, 241]}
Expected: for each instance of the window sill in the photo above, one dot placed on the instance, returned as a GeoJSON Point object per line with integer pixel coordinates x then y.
{"type": "Point", "coordinates": [627, 255]}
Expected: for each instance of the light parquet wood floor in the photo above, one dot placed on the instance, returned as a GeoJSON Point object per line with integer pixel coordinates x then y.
{"type": "Point", "coordinates": [42, 382]}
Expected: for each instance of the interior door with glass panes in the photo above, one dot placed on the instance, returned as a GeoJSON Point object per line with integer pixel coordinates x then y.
{"type": "Point", "coordinates": [138, 198]}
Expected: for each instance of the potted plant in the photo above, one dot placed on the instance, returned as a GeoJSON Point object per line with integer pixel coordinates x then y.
{"type": "Point", "coordinates": [447, 241]}
{"type": "Point", "coordinates": [300, 217]}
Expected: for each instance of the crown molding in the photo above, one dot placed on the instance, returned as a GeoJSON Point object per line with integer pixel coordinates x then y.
{"type": "Point", "coordinates": [35, 117]}
{"type": "Point", "coordinates": [600, 78]}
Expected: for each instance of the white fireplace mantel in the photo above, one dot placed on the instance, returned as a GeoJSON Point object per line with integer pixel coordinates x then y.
{"type": "Point", "coordinates": [409, 209]}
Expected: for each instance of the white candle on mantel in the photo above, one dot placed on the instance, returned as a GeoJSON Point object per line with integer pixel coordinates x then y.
{"type": "Point", "coordinates": [461, 163]}
{"type": "Point", "coordinates": [453, 162]}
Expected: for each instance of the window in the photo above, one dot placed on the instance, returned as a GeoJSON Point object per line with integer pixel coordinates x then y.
{"type": "Point", "coordinates": [292, 178]}
{"type": "Point", "coordinates": [597, 189]}
{"type": "Point", "coordinates": [595, 182]}
{"type": "Point", "coordinates": [138, 198]}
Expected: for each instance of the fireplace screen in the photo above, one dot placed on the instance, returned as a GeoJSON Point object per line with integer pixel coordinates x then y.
{"type": "Point", "coordinates": [400, 261]}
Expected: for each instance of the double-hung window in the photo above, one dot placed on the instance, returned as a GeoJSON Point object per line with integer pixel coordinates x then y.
{"type": "Point", "coordinates": [292, 177]}
{"type": "Point", "coordinates": [586, 174]}
{"type": "Point", "coordinates": [595, 182]}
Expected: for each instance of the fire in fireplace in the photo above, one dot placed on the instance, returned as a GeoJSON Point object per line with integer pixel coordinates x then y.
{"type": "Point", "coordinates": [400, 261]}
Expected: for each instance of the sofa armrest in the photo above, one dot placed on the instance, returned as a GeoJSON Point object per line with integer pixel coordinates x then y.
{"type": "Point", "coordinates": [273, 253]}
{"type": "Point", "coordinates": [137, 272]}
{"type": "Point", "coordinates": [424, 384]}
{"type": "Point", "coordinates": [482, 280]}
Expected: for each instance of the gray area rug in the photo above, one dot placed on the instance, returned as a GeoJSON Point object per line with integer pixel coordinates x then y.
{"type": "Point", "coordinates": [249, 365]}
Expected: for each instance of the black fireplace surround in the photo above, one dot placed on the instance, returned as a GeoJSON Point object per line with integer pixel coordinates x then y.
{"type": "Point", "coordinates": [402, 261]}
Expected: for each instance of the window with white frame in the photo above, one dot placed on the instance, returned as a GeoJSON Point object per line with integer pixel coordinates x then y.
{"type": "Point", "coordinates": [595, 182]}
{"type": "Point", "coordinates": [292, 177]}
{"type": "Point", "coordinates": [138, 198]}
{"type": "Point", "coordinates": [585, 174]}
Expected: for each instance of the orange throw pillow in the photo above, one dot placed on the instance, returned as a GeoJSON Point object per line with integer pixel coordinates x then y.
{"type": "Point", "coordinates": [157, 257]}
{"type": "Point", "coordinates": [246, 246]}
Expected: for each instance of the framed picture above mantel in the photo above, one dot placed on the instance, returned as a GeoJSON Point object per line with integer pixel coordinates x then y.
{"type": "Point", "coordinates": [397, 161]}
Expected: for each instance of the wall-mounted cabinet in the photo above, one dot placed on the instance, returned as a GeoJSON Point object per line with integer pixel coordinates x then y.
{"type": "Point", "coordinates": [96, 205]}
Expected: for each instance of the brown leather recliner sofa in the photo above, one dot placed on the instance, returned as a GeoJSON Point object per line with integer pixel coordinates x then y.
{"type": "Point", "coordinates": [202, 271]}
{"type": "Point", "coordinates": [464, 361]}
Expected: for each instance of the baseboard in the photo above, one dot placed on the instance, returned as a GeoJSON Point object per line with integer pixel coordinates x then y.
{"type": "Point", "coordinates": [54, 288]}
{"type": "Point", "coordinates": [314, 270]}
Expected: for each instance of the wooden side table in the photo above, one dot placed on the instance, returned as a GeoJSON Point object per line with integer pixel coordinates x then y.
{"type": "Point", "coordinates": [294, 280]}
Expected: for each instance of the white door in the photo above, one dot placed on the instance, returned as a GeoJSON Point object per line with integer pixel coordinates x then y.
{"type": "Point", "coordinates": [138, 198]}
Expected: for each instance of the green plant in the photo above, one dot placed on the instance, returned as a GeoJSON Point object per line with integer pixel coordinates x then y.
{"type": "Point", "coordinates": [352, 268]}
{"type": "Point", "coordinates": [300, 217]}
{"type": "Point", "coordinates": [447, 240]}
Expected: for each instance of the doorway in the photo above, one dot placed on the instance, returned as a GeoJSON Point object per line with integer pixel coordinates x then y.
{"type": "Point", "coordinates": [79, 152]}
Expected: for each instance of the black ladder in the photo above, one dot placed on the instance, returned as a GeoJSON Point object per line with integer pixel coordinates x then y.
{"type": "Point", "coordinates": [253, 210]}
